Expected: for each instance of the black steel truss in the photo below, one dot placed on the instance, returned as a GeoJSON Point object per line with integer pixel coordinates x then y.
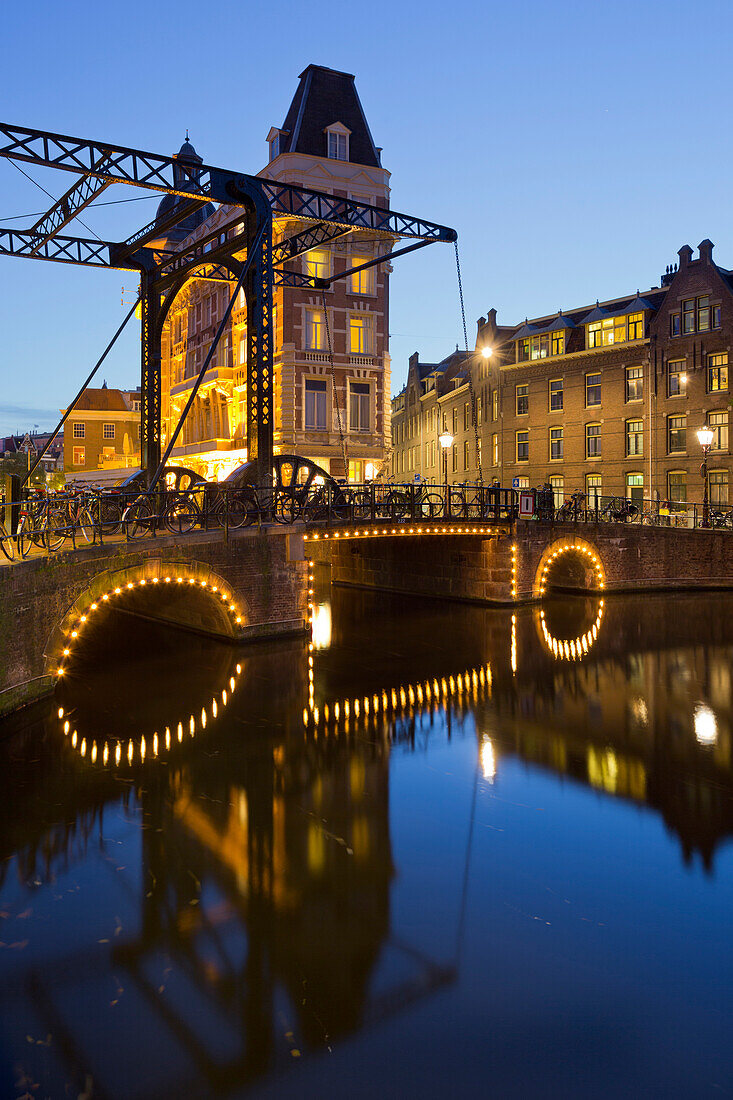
{"type": "Point", "coordinates": [118, 164]}
{"type": "Point", "coordinates": [216, 256]}
{"type": "Point", "coordinates": [65, 209]}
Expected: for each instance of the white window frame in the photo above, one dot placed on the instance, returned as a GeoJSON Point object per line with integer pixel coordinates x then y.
{"type": "Point", "coordinates": [364, 401]}
{"type": "Point", "coordinates": [320, 383]}
{"type": "Point", "coordinates": [108, 431]}
{"type": "Point", "coordinates": [79, 430]}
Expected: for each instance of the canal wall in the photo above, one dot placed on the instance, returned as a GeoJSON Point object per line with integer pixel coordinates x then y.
{"type": "Point", "coordinates": [262, 573]}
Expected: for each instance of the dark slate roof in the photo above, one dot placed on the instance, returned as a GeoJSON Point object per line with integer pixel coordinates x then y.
{"type": "Point", "coordinates": [598, 314]}
{"type": "Point", "coordinates": [638, 305]}
{"type": "Point", "coordinates": [185, 162]}
{"type": "Point", "coordinates": [325, 96]}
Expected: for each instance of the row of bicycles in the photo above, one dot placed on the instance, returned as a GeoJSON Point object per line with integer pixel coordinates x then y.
{"type": "Point", "coordinates": [83, 516]}
{"type": "Point", "coordinates": [622, 510]}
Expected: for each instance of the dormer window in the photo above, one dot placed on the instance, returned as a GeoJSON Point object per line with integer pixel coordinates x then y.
{"type": "Point", "coordinates": [278, 142]}
{"type": "Point", "coordinates": [337, 139]}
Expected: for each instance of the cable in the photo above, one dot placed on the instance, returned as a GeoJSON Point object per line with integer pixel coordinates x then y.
{"type": "Point", "coordinates": [110, 202]}
{"type": "Point", "coordinates": [53, 200]}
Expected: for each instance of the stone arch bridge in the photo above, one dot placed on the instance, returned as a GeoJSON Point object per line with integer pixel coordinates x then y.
{"type": "Point", "coordinates": [255, 584]}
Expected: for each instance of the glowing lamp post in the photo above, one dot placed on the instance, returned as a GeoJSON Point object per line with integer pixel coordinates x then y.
{"type": "Point", "coordinates": [446, 442]}
{"type": "Point", "coordinates": [487, 352]}
{"type": "Point", "coordinates": [705, 439]}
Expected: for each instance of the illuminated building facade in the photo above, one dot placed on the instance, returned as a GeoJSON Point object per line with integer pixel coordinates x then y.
{"type": "Point", "coordinates": [605, 399]}
{"type": "Point", "coordinates": [103, 431]}
{"type": "Point", "coordinates": [324, 144]}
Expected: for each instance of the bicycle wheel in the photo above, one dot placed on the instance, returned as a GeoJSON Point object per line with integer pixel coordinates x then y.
{"type": "Point", "coordinates": [86, 525]}
{"type": "Point", "coordinates": [138, 518]}
{"type": "Point", "coordinates": [458, 507]}
{"type": "Point", "coordinates": [24, 538]}
{"type": "Point", "coordinates": [361, 504]}
{"type": "Point", "coordinates": [109, 512]}
{"type": "Point", "coordinates": [57, 528]}
{"type": "Point", "coordinates": [181, 516]}
{"type": "Point", "coordinates": [7, 544]}
{"type": "Point", "coordinates": [287, 509]}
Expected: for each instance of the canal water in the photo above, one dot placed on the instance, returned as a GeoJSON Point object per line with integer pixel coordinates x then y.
{"type": "Point", "coordinates": [440, 851]}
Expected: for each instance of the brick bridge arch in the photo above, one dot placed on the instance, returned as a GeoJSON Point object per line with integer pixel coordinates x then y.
{"type": "Point", "coordinates": [42, 599]}
{"type": "Point", "coordinates": [592, 574]}
{"type": "Point", "coordinates": [187, 593]}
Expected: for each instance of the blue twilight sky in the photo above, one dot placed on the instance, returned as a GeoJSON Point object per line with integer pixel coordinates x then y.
{"type": "Point", "coordinates": [575, 147]}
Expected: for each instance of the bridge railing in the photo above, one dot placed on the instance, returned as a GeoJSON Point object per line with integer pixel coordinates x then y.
{"type": "Point", "coordinates": [637, 511]}
{"type": "Point", "coordinates": [44, 523]}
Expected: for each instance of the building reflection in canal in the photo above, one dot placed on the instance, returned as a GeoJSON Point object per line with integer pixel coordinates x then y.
{"type": "Point", "coordinates": [237, 872]}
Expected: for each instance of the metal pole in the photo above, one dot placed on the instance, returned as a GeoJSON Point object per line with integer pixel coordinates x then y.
{"type": "Point", "coordinates": [86, 382]}
{"type": "Point", "coordinates": [705, 502]}
{"type": "Point", "coordinates": [251, 253]}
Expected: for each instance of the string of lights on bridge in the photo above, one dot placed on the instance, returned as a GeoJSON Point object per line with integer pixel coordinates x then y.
{"type": "Point", "coordinates": [225, 598]}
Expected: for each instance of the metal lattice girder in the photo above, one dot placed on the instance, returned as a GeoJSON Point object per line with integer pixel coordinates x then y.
{"type": "Point", "coordinates": [65, 250]}
{"type": "Point", "coordinates": [72, 250]}
{"type": "Point", "coordinates": [291, 247]}
{"type": "Point", "coordinates": [138, 168]}
{"type": "Point", "coordinates": [157, 228]}
{"type": "Point", "coordinates": [65, 209]}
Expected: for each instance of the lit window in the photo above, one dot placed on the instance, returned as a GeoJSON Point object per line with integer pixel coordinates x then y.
{"type": "Point", "coordinates": [593, 389]}
{"type": "Point", "coordinates": [593, 489]}
{"type": "Point", "coordinates": [593, 441]}
{"type": "Point", "coordinates": [688, 316]}
{"type": "Point", "coordinates": [362, 282]}
{"type": "Point", "coordinates": [454, 419]}
{"type": "Point", "coordinates": [558, 342]}
{"type": "Point", "coordinates": [718, 421]}
{"type": "Point", "coordinates": [717, 372]}
{"type": "Point", "coordinates": [108, 431]}
{"type": "Point", "coordinates": [522, 446]}
{"type": "Point", "coordinates": [634, 383]}
{"type": "Point", "coordinates": [359, 407]}
{"type": "Point", "coordinates": [242, 350]}
{"type": "Point", "coordinates": [315, 404]}
{"type": "Point", "coordinates": [677, 486]}
{"type": "Point", "coordinates": [522, 400]}
{"type": "Point", "coordinates": [718, 488]}
{"type": "Point", "coordinates": [539, 346]}
{"type": "Point", "coordinates": [318, 264]}
{"type": "Point", "coordinates": [634, 437]}
{"type": "Point", "coordinates": [636, 326]}
{"type": "Point", "coordinates": [315, 330]}
{"type": "Point", "coordinates": [495, 450]}
{"type": "Point", "coordinates": [79, 430]}
{"type": "Point", "coordinates": [337, 146]}
{"type": "Point", "coordinates": [558, 491]}
{"type": "Point", "coordinates": [454, 452]}
{"type": "Point", "coordinates": [676, 378]}
{"type": "Point", "coordinates": [556, 395]}
{"type": "Point", "coordinates": [635, 488]}
{"type": "Point", "coordinates": [676, 434]}
{"type": "Point", "coordinates": [522, 350]}
{"type": "Point", "coordinates": [360, 335]}
{"type": "Point", "coordinates": [556, 443]}
{"type": "Point", "coordinates": [79, 456]}
{"type": "Point", "coordinates": [495, 405]}
{"type": "Point", "coordinates": [703, 313]}
{"type": "Point", "coordinates": [465, 416]}
{"type": "Point", "coordinates": [466, 454]}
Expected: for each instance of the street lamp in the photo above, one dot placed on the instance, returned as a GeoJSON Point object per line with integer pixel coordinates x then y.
{"type": "Point", "coordinates": [487, 352]}
{"type": "Point", "coordinates": [446, 441]}
{"type": "Point", "coordinates": [705, 439]}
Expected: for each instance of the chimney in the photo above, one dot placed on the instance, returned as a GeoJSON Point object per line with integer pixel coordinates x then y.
{"type": "Point", "coordinates": [706, 251]}
{"type": "Point", "coordinates": [685, 255]}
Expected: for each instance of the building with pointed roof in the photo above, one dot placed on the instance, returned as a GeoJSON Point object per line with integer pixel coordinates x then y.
{"type": "Point", "coordinates": [331, 408]}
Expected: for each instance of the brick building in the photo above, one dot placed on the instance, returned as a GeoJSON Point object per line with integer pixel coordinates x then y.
{"type": "Point", "coordinates": [103, 431]}
{"type": "Point", "coordinates": [606, 398]}
{"type": "Point", "coordinates": [325, 144]}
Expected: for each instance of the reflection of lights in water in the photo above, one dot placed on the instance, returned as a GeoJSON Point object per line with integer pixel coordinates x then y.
{"type": "Point", "coordinates": [488, 758]}
{"type": "Point", "coordinates": [321, 625]}
{"type": "Point", "coordinates": [706, 726]}
{"type": "Point", "coordinates": [514, 643]}
{"type": "Point", "coordinates": [575, 649]}
{"type": "Point", "coordinates": [581, 548]}
{"type": "Point", "coordinates": [639, 711]}
{"type": "Point", "coordinates": [143, 749]}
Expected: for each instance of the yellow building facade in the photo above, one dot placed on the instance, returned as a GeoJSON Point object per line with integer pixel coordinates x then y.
{"type": "Point", "coordinates": [331, 365]}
